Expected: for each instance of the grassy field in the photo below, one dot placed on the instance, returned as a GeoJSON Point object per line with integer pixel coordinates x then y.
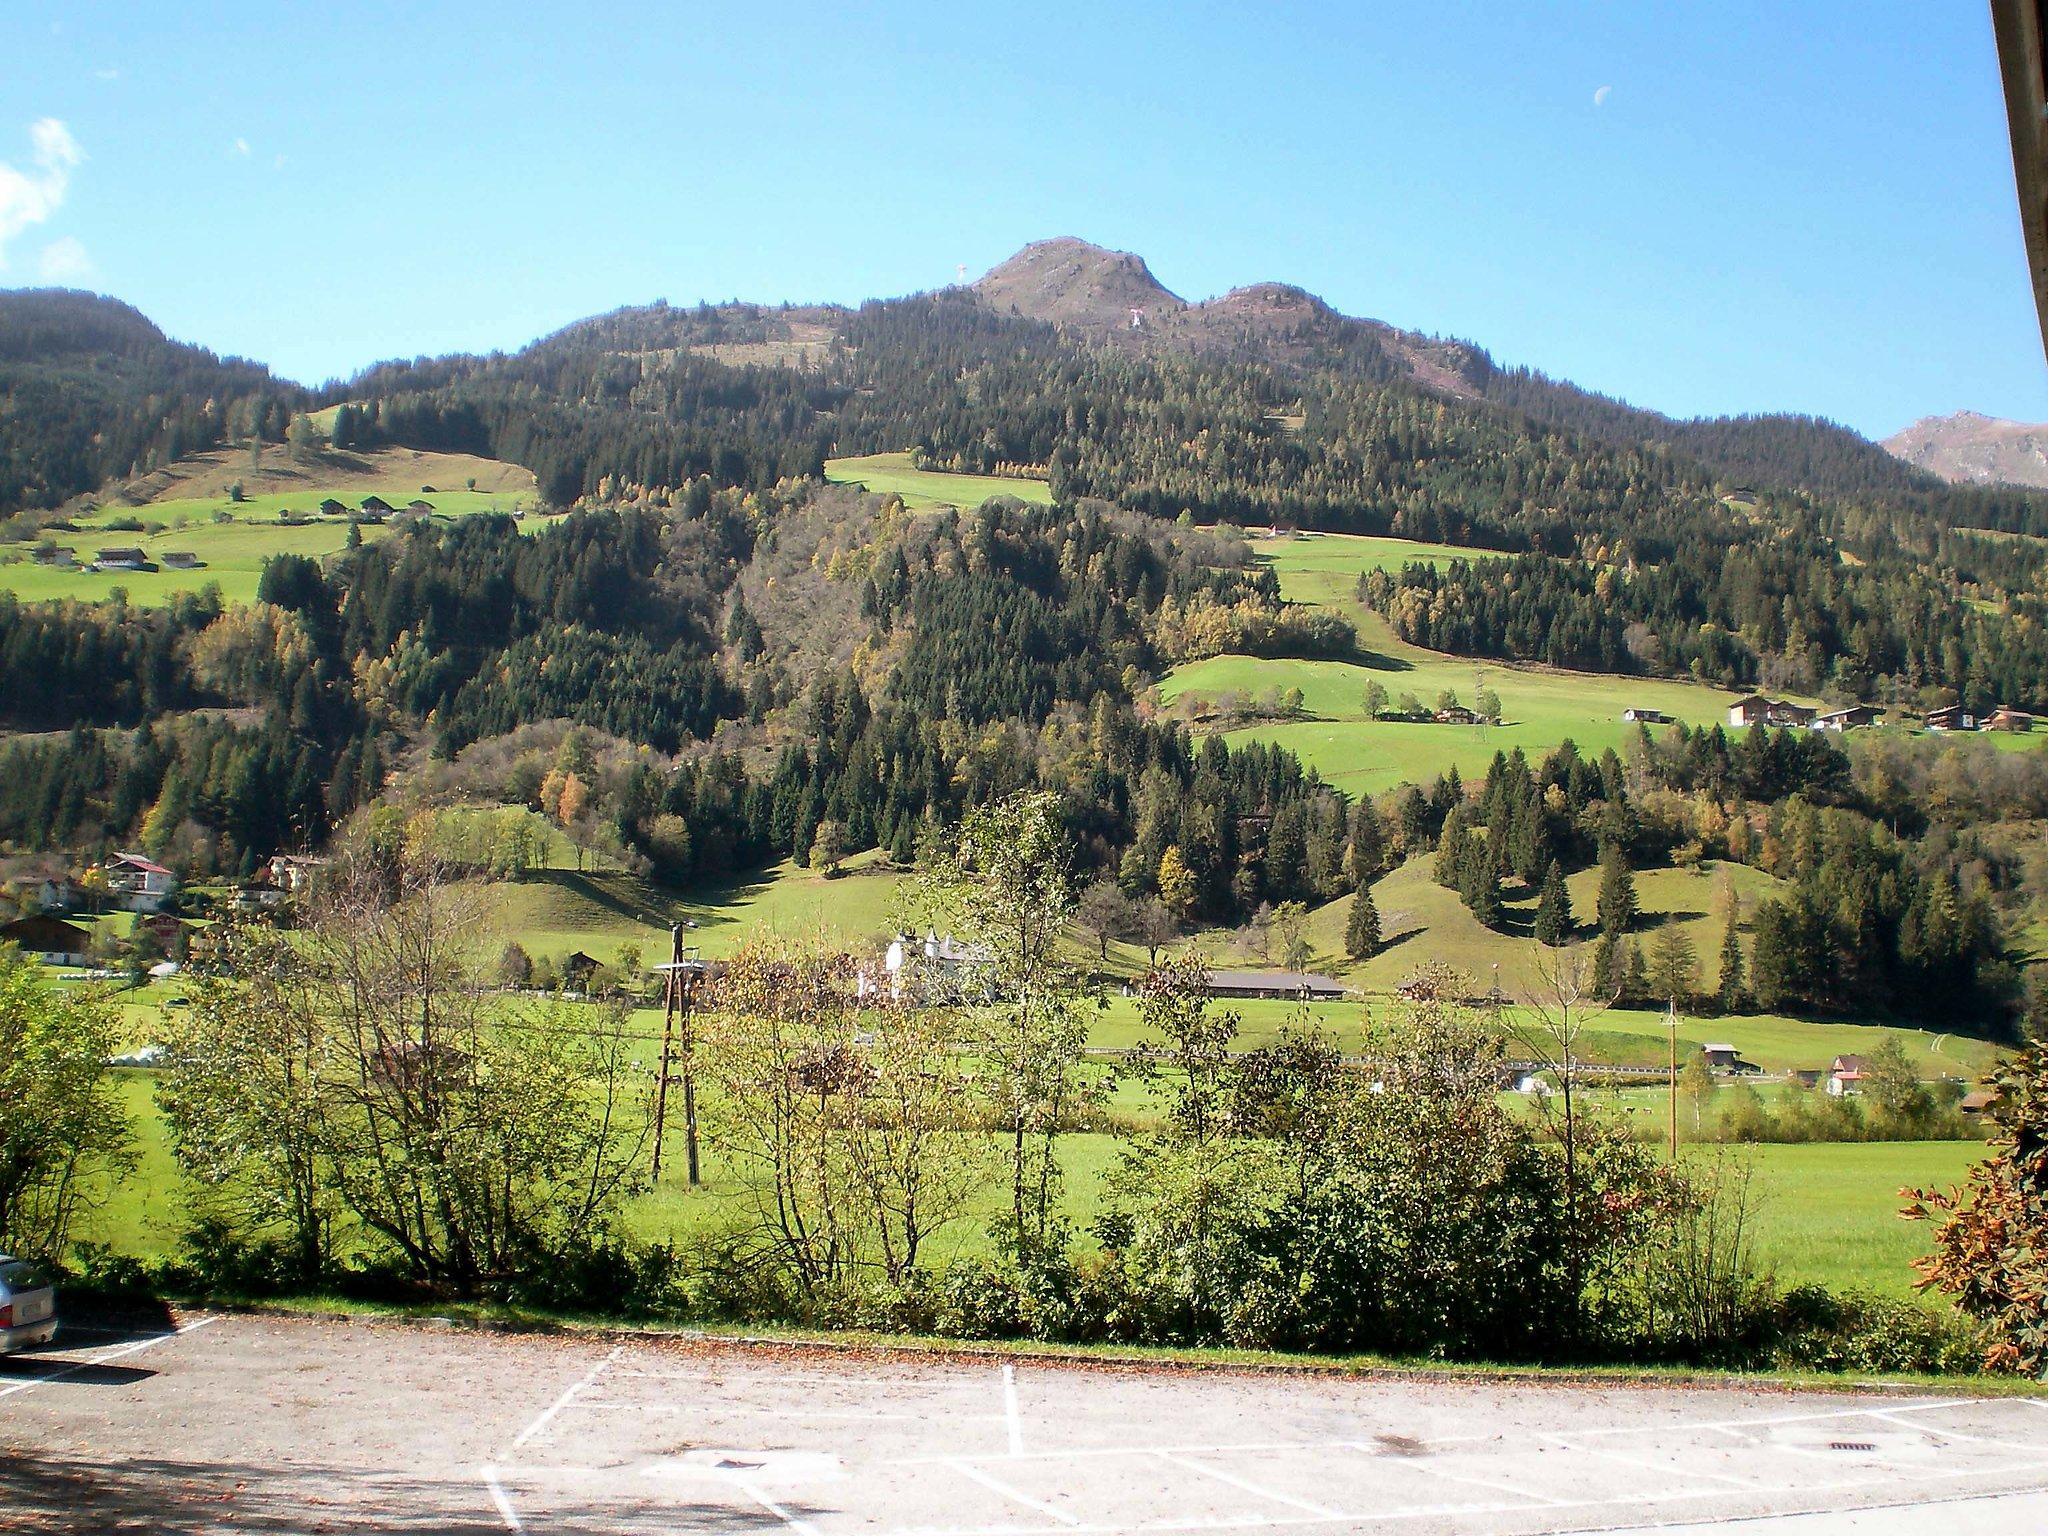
{"type": "Point", "coordinates": [554, 911]}
{"type": "Point", "coordinates": [1826, 1214]}
{"type": "Point", "coordinates": [1829, 1213]}
{"type": "Point", "coordinates": [924, 488]}
{"type": "Point", "coordinates": [1541, 706]}
{"type": "Point", "coordinates": [234, 539]}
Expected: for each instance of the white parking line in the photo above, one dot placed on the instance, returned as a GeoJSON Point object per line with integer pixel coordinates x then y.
{"type": "Point", "coordinates": [712, 1412]}
{"type": "Point", "coordinates": [548, 1414]}
{"type": "Point", "coordinates": [1645, 1464]}
{"type": "Point", "coordinates": [1010, 1411]}
{"type": "Point", "coordinates": [497, 1491]}
{"type": "Point", "coordinates": [801, 1527]}
{"type": "Point", "coordinates": [106, 1357]}
{"type": "Point", "coordinates": [997, 1485]}
{"type": "Point", "coordinates": [1422, 1464]}
{"type": "Point", "coordinates": [1247, 1486]}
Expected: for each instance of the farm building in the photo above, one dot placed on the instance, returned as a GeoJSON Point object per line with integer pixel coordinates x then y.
{"type": "Point", "coordinates": [1952, 717]}
{"type": "Point", "coordinates": [332, 508]}
{"type": "Point", "coordinates": [1456, 714]}
{"type": "Point", "coordinates": [122, 560]}
{"type": "Point", "coordinates": [1845, 1076]}
{"type": "Point", "coordinates": [52, 554]}
{"type": "Point", "coordinates": [377, 505]}
{"type": "Point", "coordinates": [48, 939]}
{"type": "Point", "coordinates": [1977, 1101]}
{"type": "Point", "coordinates": [1721, 1056]}
{"type": "Point", "coordinates": [182, 560]}
{"type": "Point", "coordinates": [2006, 718]}
{"type": "Point", "coordinates": [1755, 709]}
{"type": "Point", "coordinates": [419, 506]}
{"type": "Point", "coordinates": [1645, 717]}
{"type": "Point", "coordinates": [1301, 984]}
{"type": "Point", "coordinates": [1852, 718]}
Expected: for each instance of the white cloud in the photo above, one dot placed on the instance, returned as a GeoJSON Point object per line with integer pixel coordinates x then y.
{"type": "Point", "coordinates": [29, 196]}
{"type": "Point", "coordinates": [242, 148]}
{"type": "Point", "coordinates": [64, 260]}
{"type": "Point", "coordinates": [1600, 96]}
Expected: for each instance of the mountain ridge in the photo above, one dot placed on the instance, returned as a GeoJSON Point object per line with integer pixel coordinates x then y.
{"type": "Point", "coordinates": [1971, 448]}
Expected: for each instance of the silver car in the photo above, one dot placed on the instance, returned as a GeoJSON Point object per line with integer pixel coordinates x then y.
{"type": "Point", "coordinates": [28, 1306]}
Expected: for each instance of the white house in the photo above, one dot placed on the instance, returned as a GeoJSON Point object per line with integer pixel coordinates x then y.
{"type": "Point", "coordinates": [139, 884]}
{"type": "Point", "coordinates": [294, 873]}
{"type": "Point", "coordinates": [935, 969]}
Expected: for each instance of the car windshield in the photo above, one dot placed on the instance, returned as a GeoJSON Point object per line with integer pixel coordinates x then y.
{"type": "Point", "coordinates": [19, 1276]}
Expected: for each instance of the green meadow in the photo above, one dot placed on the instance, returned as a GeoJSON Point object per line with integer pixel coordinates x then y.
{"type": "Point", "coordinates": [232, 552]}
{"type": "Point", "coordinates": [1541, 706]}
{"type": "Point", "coordinates": [1824, 1214]}
{"type": "Point", "coordinates": [922, 489]}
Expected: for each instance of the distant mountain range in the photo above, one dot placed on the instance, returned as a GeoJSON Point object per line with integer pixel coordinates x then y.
{"type": "Point", "coordinates": [1973, 449]}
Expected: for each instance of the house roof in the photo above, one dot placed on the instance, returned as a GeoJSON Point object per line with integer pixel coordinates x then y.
{"type": "Point", "coordinates": [137, 861]}
{"type": "Point", "coordinates": [45, 933]}
{"type": "Point", "coordinates": [1273, 981]}
{"type": "Point", "coordinates": [1719, 1045]}
{"type": "Point", "coordinates": [1848, 1063]}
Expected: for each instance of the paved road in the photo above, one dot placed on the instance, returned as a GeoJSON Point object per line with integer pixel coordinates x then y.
{"type": "Point", "coordinates": [217, 1424]}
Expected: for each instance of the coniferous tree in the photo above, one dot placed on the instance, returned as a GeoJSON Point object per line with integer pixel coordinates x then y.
{"type": "Point", "coordinates": [1732, 988]}
{"type": "Point", "coordinates": [1362, 930]}
{"type": "Point", "coordinates": [1453, 851]}
{"type": "Point", "coordinates": [1553, 908]}
{"type": "Point", "coordinates": [1367, 853]}
{"type": "Point", "coordinates": [1674, 966]}
{"type": "Point", "coordinates": [1616, 907]}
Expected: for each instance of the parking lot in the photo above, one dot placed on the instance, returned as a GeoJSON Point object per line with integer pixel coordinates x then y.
{"type": "Point", "coordinates": [217, 1423]}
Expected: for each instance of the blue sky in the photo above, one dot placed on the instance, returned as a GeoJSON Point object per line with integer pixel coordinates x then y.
{"type": "Point", "coordinates": [1703, 208]}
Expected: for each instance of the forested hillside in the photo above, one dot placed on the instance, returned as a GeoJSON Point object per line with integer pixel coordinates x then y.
{"type": "Point", "coordinates": [90, 391]}
{"type": "Point", "coordinates": [747, 665]}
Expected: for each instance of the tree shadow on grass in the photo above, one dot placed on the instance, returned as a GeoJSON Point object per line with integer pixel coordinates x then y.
{"type": "Point", "coordinates": [1393, 941]}
{"type": "Point", "coordinates": [600, 895]}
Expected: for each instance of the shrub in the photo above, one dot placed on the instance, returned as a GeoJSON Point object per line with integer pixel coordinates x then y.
{"type": "Point", "coordinates": [1821, 1330]}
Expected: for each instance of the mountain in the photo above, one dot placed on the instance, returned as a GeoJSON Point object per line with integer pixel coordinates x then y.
{"type": "Point", "coordinates": [1070, 282]}
{"type": "Point", "coordinates": [1112, 296]}
{"type": "Point", "coordinates": [1265, 403]}
{"type": "Point", "coordinates": [91, 390]}
{"type": "Point", "coordinates": [1968, 448]}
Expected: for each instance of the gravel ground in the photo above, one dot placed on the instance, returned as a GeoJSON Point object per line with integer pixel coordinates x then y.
{"type": "Point", "coordinates": [249, 1424]}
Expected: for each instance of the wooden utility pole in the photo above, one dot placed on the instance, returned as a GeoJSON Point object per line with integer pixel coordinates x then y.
{"type": "Point", "coordinates": [1671, 1026]}
{"type": "Point", "coordinates": [671, 978]}
{"type": "Point", "coordinates": [677, 998]}
{"type": "Point", "coordinates": [689, 993]}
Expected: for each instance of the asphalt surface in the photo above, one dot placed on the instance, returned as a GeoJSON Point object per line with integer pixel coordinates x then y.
{"type": "Point", "coordinates": [244, 1424]}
